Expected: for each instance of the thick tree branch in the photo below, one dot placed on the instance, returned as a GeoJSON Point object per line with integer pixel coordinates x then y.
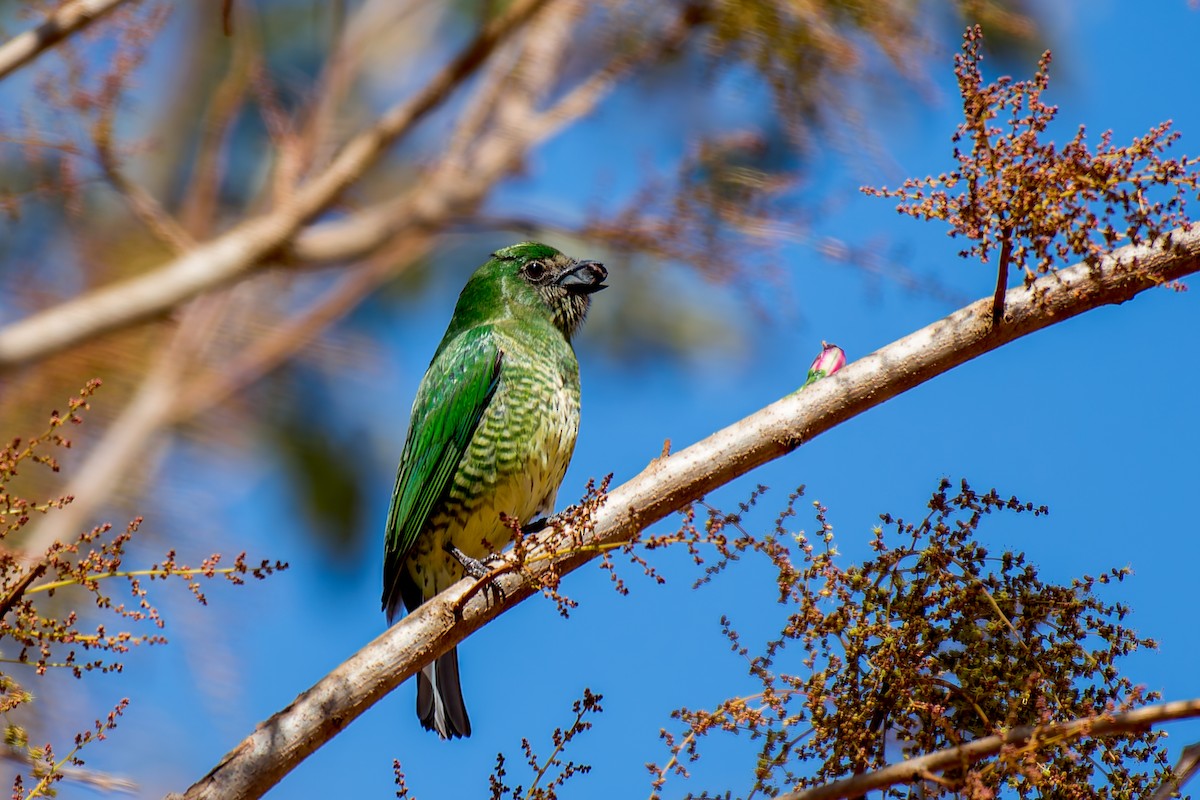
{"type": "Point", "coordinates": [669, 484]}
{"type": "Point", "coordinates": [915, 769]}
{"type": "Point", "coordinates": [23, 48]}
{"type": "Point", "coordinates": [253, 243]}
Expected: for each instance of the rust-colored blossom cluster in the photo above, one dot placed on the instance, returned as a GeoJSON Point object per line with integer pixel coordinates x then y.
{"type": "Point", "coordinates": [46, 598]}
{"type": "Point", "coordinates": [934, 642]}
{"type": "Point", "coordinates": [547, 775]}
{"type": "Point", "coordinates": [552, 772]}
{"type": "Point", "coordinates": [1034, 206]}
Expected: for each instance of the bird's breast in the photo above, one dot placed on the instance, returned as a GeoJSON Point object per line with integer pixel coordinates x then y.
{"type": "Point", "coordinates": [513, 465]}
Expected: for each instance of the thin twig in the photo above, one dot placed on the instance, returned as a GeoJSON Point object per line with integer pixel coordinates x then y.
{"type": "Point", "coordinates": [199, 210]}
{"type": "Point", "coordinates": [149, 212]}
{"type": "Point", "coordinates": [23, 48]}
{"type": "Point", "coordinates": [1002, 278]}
{"type": "Point", "coordinates": [351, 39]}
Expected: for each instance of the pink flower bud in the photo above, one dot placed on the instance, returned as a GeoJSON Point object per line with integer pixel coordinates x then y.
{"type": "Point", "coordinates": [831, 359]}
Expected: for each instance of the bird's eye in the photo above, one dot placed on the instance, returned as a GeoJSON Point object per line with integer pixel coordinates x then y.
{"type": "Point", "coordinates": [535, 270]}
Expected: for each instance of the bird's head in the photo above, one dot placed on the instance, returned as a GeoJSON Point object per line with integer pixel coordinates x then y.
{"type": "Point", "coordinates": [530, 276]}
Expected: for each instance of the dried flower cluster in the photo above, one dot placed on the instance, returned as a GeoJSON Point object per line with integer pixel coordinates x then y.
{"type": "Point", "coordinates": [548, 775]}
{"type": "Point", "coordinates": [44, 765]}
{"type": "Point", "coordinates": [551, 774]}
{"type": "Point", "coordinates": [1039, 205]}
{"type": "Point", "coordinates": [932, 643]}
{"type": "Point", "coordinates": [42, 636]}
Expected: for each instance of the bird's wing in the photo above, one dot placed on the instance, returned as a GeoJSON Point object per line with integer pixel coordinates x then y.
{"type": "Point", "coordinates": [452, 399]}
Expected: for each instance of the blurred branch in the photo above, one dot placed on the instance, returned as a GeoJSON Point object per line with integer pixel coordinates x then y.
{"type": "Point", "coordinates": [121, 452]}
{"type": "Point", "coordinates": [99, 781]}
{"type": "Point", "coordinates": [468, 166]}
{"type": "Point", "coordinates": [270, 351]}
{"type": "Point", "coordinates": [198, 213]}
{"type": "Point", "coordinates": [149, 212]}
{"type": "Point", "coordinates": [350, 40]}
{"type": "Point", "coordinates": [473, 119]}
{"type": "Point", "coordinates": [1184, 771]}
{"type": "Point", "coordinates": [23, 48]}
{"type": "Point", "coordinates": [917, 769]}
{"type": "Point", "coordinates": [253, 243]}
{"type": "Point", "coordinates": [168, 397]}
{"type": "Point", "coordinates": [668, 484]}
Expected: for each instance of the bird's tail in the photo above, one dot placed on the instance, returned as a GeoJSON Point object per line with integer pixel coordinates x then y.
{"type": "Point", "coordinates": [439, 698]}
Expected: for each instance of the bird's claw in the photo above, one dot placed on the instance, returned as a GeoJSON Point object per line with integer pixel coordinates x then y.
{"type": "Point", "coordinates": [477, 569]}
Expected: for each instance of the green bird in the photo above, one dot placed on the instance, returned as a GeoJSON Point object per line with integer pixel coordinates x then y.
{"type": "Point", "coordinates": [493, 429]}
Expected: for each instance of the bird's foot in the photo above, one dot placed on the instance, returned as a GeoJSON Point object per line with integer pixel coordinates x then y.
{"type": "Point", "coordinates": [478, 569]}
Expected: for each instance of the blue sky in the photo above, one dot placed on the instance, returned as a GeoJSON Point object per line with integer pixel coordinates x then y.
{"type": "Point", "coordinates": [1094, 417]}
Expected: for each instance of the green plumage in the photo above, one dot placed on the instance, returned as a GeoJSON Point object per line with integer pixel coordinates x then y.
{"type": "Point", "coordinates": [493, 429]}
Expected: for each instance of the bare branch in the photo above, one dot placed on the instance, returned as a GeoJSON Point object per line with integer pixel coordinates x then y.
{"type": "Point", "coordinates": [144, 206]}
{"type": "Point", "coordinates": [362, 232]}
{"type": "Point", "coordinates": [253, 243]}
{"type": "Point", "coordinates": [198, 213]}
{"type": "Point", "coordinates": [276, 347]}
{"type": "Point", "coordinates": [121, 453]}
{"type": "Point", "coordinates": [23, 48]}
{"type": "Point", "coordinates": [923, 767]}
{"type": "Point", "coordinates": [351, 39]}
{"type": "Point", "coordinates": [668, 484]}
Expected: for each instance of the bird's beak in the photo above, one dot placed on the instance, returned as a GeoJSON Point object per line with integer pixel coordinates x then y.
{"type": "Point", "coordinates": [584, 278]}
